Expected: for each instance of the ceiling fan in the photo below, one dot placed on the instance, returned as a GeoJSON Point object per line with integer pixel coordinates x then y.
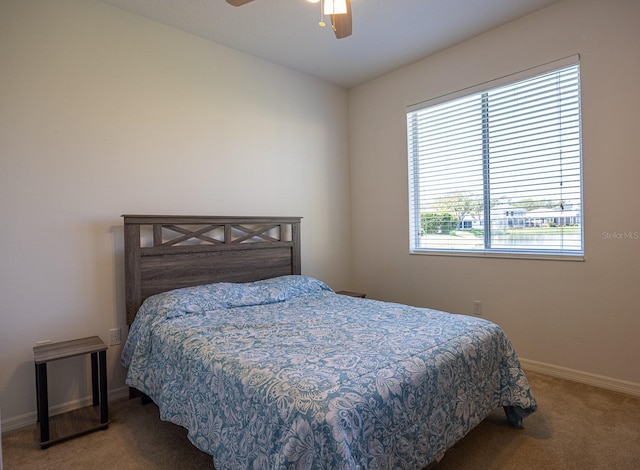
{"type": "Point", "coordinates": [340, 17]}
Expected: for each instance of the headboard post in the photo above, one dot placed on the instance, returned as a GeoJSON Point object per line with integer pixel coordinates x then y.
{"type": "Point", "coordinates": [296, 262]}
{"type": "Point", "coordinates": [165, 252]}
{"type": "Point", "coordinates": [132, 268]}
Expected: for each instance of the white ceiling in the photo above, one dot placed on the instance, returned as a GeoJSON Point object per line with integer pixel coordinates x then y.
{"type": "Point", "coordinates": [387, 34]}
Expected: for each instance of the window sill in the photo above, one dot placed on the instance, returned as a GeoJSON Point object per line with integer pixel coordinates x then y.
{"type": "Point", "coordinates": [493, 254]}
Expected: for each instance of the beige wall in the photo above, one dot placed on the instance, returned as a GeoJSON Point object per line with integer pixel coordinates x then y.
{"type": "Point", "coordinates": [103, 113]}
{"type": "Point", "coordinates": [584, 316]}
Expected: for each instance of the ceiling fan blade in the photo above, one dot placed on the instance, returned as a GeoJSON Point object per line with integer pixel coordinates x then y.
{"type": "Point", "coordinates": [342, 23]}
{"type": "Point", "coordinates": [238, 3]}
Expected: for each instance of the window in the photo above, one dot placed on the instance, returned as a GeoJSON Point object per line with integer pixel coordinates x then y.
{"type": "Point", "coordinates": [497, 168]}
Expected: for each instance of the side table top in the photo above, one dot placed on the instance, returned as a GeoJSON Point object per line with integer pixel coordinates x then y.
{"type": "Point", "coordinates": [351, 293]}
{"type": "Point", "coordinates": [75, 347]}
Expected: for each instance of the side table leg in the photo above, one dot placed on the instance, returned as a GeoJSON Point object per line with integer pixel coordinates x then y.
{"type": "Point", "coordinates": [94, 379]}
{"type": "Point", "coordinates": [104, 406]}
{"type": "Point", "coordinates": [37, 396]}
{"type": "Point", "coordinates": [43, 401]}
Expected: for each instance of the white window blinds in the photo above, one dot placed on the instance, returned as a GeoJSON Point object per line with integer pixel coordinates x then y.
{"type": "Point", "coordinates": [498, 168]}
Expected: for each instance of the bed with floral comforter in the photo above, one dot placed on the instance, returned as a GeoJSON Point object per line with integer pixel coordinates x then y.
{"type": "Point", "coordinates": [286, 374]}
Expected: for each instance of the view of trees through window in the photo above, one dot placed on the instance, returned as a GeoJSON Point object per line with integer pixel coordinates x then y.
{"type": "Point", "coordinates": [457, 220]}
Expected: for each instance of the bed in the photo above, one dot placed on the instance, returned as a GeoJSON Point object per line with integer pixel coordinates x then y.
{"type": "Point", "coordinates": [270, 369]}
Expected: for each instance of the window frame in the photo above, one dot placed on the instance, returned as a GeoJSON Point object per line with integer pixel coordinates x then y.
{"type": "Point", "coordinates": [414, 209]}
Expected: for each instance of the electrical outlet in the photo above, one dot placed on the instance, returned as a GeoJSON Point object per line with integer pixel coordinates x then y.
{"type": "Point", "coordinates": [477, 308]}
{"type": "Point", "coordinates": [115, 336]}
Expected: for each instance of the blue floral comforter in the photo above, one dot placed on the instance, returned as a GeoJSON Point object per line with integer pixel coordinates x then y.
{"type": "Point", "coordinates": [286, 374]}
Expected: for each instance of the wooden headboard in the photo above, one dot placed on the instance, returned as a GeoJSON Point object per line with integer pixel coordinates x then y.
{"type": "Point", "coordinates": [164, 252]}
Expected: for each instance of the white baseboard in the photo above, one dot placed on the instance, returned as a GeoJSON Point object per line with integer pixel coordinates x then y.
{"type": "Point", "coordinates": [28, 419]}
{"type": "Point", "coordinates": [623, 386]}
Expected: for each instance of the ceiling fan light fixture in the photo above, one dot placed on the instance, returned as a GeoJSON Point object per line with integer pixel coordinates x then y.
{"type": "Point", "coordinates": [338, 10]}
{"type": "Point", "coordinates": [335, 7]}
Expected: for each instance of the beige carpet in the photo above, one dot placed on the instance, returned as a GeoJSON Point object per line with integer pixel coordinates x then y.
{"type": "Point", "coordinates": [576, 427]}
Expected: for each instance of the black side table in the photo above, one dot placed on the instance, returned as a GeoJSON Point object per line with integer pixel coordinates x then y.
{"type": "Point", "coordinates": [78, 421]}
